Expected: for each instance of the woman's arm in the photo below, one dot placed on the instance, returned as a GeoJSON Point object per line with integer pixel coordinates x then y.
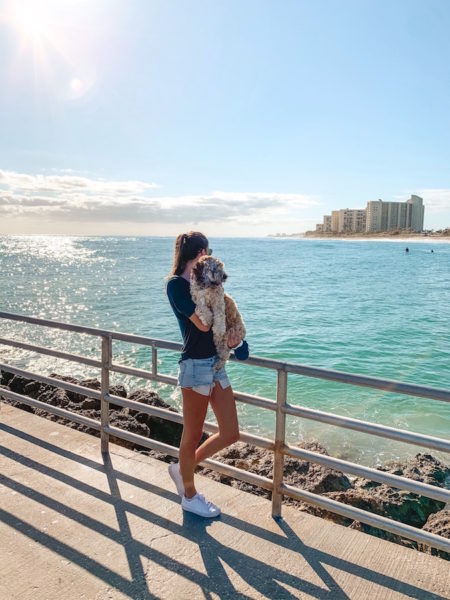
{"type": "Point", "coordinates": [198, 323]}
{"type": "Point", "coordinates": [181, 299]}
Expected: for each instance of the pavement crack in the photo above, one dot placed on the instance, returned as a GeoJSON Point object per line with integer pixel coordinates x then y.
{"type": "Point", "coordinates": [158, 537]}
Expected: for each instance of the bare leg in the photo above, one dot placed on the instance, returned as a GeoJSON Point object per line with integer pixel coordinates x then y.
{"type": "Point", "coordinates": [224, 407]}
{"type": "Point", "coordinates": [195, 406]}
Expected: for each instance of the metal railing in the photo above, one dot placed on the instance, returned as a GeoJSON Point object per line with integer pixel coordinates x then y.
{"type": "Point", "coordinates": [281, 408]}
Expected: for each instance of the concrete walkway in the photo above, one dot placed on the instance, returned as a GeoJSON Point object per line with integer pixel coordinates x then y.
{"type": "Point", "coordinates": [77, 526]}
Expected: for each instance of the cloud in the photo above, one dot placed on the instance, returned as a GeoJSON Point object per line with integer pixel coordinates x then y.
{"type": "Point", "coordinates": [81, 199]}
{"type": "Point", "coordinates": [436, 200]}
{"type": "Point", "coordinates": [36, 184]}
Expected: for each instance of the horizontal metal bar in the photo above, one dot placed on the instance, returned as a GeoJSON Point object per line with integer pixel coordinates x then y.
{"type": "Point", "coordinates": [146, 341]}
{"type": "Point", "coordinates": [170, 415]}
{"type": "Point", "coordinates": [49, 352]}
{"type": "Point", "coordinates": [407, 531]}
{"type": "Point", "coordinates": [389, 385]}
{"type": "Point", "coordinates": [236, 473]}
{"type": "Point", "coordinates": [416, 487]}
{"type": "Point", "coordinates": [401, 435]}
{"type": "Point", "coordinates": [328, 374]}
{"type": "Point", "coordinates": [228, 470]}
{"type": "Point", "coordinates": [54, 324]}
{"type": "Point", "coordinates": [255, 400]}
{"type": "Point", "coordinates": [143, 374]}
{"type": "Point", "coordinates": [61, 412]}
{"type": "Point", "coordinates": [141, 440]}
{"type": "Point", "coordinates": [59, 383]}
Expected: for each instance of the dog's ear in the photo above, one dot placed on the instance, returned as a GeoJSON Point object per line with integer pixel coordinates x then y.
{"type": "Point", "coordinates": [198, 269]}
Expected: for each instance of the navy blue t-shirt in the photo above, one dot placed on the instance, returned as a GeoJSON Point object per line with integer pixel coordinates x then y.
{"type": "Point", "coordinates": [196, 343]}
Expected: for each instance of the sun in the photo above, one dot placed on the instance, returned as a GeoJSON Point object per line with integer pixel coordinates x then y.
{"type": "Point", "coordinates": [30, 19]}
{"type": "Point", "coordinates": [47, 47]}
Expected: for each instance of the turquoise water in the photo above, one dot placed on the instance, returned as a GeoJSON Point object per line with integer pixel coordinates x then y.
{"type": "Point", "coordinates": [360, 306]}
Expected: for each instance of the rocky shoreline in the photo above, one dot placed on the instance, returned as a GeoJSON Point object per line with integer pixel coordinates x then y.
{"type": "Point", "coordinates": [418, 511]}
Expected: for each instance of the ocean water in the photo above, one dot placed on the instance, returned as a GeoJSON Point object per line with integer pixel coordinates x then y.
{"type": "Point", "coordinates": [358, 306]}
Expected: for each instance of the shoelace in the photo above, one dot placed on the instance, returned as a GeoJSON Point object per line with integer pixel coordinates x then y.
{"type": "Point", "coordinates": [207, 502]}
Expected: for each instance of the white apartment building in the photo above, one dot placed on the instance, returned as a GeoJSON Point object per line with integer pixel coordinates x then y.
{"type": "Point", "coordinates": [385, 216]}
{"type": "Point", "coordinates": [348, 219]}
{"type": "Point", "coordinates": [326, 223]}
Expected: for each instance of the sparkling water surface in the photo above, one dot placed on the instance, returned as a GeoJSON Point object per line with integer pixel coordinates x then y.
{"type": "Point", "coordinates": [358, 306]}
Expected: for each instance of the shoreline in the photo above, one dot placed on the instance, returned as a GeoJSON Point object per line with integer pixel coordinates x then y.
{"type": "Point", "coordinates": [410, 239]}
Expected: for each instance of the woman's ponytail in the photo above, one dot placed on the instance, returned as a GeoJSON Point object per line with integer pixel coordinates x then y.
{"type": "Point", "coordinates": [187, 246]}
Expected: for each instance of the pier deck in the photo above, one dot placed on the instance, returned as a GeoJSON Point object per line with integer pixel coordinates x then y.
{"type": "Point", "coordinates": [77, 525]}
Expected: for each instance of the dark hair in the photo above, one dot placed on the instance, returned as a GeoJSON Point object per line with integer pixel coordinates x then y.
{"type": "Point", "coordinates": [187, 246]}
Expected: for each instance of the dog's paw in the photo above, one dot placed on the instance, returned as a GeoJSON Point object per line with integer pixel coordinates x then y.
{"type": "Point", "coordinates": [205, 316]}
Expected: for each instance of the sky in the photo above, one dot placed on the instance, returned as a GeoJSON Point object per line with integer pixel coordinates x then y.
{"type": "Point", "coordinates": [231, 117]}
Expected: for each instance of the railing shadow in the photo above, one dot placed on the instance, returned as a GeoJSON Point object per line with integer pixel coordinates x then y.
{"type": "Point", "coordinates": [259, 574]}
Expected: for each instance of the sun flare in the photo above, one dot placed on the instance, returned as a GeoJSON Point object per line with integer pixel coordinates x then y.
{"type": "Point", "coordinates": [49, 46]}
{"type": "Point", "coordinates": [30, 19]}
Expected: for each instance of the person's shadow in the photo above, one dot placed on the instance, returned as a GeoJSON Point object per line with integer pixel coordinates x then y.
{"type": "Point", "coordinates": [240, 555]}
{"type": "Point", "coordinates": [267, 580]}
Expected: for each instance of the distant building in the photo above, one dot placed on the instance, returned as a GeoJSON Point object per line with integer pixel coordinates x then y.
{"type": "Point", "coordinates": [385, 216]}
{"type": "Point", "coordinates": [417, 212]}
{"type": "Point", "coordinates": [326, 223]}
{"type": "Point", "coordinates": [348, 219]}
{"type": "Point", "coordinates": [334, 220]}
{"type": "Point", "coordinates": [377, 216]}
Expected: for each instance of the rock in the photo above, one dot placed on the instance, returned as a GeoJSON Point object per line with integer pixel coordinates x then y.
{"type": "Point", "coordinates": [34, 389]}
{"type": "Point", "coordinates": [405, 506]}
{"type": "Point", "coordinates": [438, 523]}
{"type": "Point", "coordinates": [117, 390]}
{"type": "Point", "coordinates": [90, 403]}
{"type": "Point", "coordinates": [55, 397]}
{"type": "Point", "coordinates": [423, 467]}
{"type": "Point", "coordinates": [5, 377]}
{"type": "Point", "coordinates": [131, 420]}
{"type": "Point", "coordinates": [396, 504]}
{"type": "Point", "coordinates": [300, 473]}
{"type": "Point", "coordinates": [124, 422]}
{"type": "Point", "coordinates": [92, 384]}
{"type": "Point", "coordinates": [17, 384]}
{"type": "Point", "coordinates": [162, 430]}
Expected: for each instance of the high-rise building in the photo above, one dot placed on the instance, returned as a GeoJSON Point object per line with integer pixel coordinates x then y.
{"type": "Point", "coordinates": [334, 220]}
{"type": "Point", "coordinates": [416, 213]}
{"type": "Point", "coordinates": [348, 219]}
{"type": "Point", "coordinates": [385, 216]}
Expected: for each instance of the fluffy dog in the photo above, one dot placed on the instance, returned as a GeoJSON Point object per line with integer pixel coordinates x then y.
{"type": "Point", "coordinates": [214, 306]}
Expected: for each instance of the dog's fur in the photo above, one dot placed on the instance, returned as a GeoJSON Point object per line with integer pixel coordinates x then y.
{"type": "Point", "coordinates": [214, 306]}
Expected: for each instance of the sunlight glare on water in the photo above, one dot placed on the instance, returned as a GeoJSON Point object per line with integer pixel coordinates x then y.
{"type": "Point", "coordinates": [363, 307]}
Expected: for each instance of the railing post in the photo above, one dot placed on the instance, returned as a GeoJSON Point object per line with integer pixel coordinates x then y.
{"type": "Point", "coordinates": [154, 360]}
{"type": "Point", "coordinates": [104, 416]}
{"type": "Point", "coordinates": [280, 430]}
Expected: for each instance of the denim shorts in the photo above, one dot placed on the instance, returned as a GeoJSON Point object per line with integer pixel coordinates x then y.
{"type": "Point", "coordinates": [200, 375]}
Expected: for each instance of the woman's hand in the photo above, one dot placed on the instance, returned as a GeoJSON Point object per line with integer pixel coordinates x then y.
{"type": "Point", "coordinates": [233, 338]}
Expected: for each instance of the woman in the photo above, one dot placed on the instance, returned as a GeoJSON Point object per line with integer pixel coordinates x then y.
{"type": "Point", "coordinates": [200, 383]}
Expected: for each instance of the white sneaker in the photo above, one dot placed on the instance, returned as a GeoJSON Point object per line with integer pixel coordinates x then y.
{"type": "Point", "coordinates": [200, 506]}
{"type": "Point", "coordinates": [174, 472]}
